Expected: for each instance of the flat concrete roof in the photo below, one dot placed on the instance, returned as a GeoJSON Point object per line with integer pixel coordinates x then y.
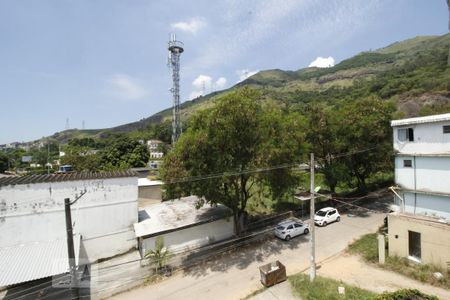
{"type": "Point", "coordinates": [175, 215]}
{"type": "Point", "coordinates": [421, 120]}
{"type": "Point", "coordinates": [148, 182]}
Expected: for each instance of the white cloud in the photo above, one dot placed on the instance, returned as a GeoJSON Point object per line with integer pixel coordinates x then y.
{"type": "Point", "coordinates": [202, 81]}
{"type": "Point", "coordinates": [322, 62]}
{"type": "Point", "coordinates": [205, 84]}
{"type": "Point", "coordinates": [220, 83]}
{"type": "Point", "coordinates": [193, 25]}
{"type": "Point", "coordinates": [126, 87]}
{"type": "Point", "coordinates": [245, 73]}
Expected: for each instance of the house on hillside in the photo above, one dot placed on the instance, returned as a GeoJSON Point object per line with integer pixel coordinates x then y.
{"type": "Point", "coordinates": [33, 225]}
{"type": "Point", "coordinates": [182, 225]}
{"type": "Point", "coordinates": [154, 149]}
{"type": "Point", "coordinates": [420, 230]}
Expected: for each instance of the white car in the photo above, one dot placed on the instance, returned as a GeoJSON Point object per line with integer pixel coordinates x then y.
{"type": "Point", "coordinates": [326, 215]}
{"type": "Point", "coordinates": [288, 229]}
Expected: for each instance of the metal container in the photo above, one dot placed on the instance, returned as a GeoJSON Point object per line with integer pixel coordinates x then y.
{"type": "Point", "coordinates": [272, 273]}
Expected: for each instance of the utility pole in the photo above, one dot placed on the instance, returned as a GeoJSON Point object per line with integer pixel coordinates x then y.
{"type": "Point", "coordinates": [74, 292]}
{"type": "Point", "coordinates": [312, 270]}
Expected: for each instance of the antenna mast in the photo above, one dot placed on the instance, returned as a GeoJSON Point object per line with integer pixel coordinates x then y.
{"type": "Point", "coordinates": [175, 49]}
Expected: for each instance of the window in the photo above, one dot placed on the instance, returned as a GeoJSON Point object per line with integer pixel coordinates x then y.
{"type": "Point", "coordinates": [406, 134]}
{"type": "Point", "coordinates": [332, 212]}
{"type": "Point", "coordinates": [407, 163]}
{"type": "Point", "coordinates": [446, 128]}
{"type": "Point", "coordinates": [290, 227]}
{"type": "Point", "coordinates": [414, 244]}
{"type": "Point", "coordinates": [297, 225]}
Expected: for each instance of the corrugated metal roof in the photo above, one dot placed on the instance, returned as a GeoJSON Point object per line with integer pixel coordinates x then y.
{"type": "Point", "coordinates": [33, 261]}
{"type": "Point", "coordinates": [421, 120]}
{"type": "Point", "coordinates": [29, 179]}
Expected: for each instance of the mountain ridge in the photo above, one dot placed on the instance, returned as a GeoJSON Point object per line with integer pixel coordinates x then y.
{"type": "Point", "coordinates": [283, 84]}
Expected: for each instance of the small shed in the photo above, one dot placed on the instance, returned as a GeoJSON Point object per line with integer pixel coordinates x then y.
{"type": "Point", "coordinates": [149, 191]}
{"type": "Point", "coordinates": [182, 225]}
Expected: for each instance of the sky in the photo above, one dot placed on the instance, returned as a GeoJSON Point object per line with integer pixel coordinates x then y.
{"type": "Point", "coordinates": [104, 63]}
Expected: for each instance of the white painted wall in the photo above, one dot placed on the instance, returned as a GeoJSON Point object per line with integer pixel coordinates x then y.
{"type": "Point", "coordinates": [104, 216]}
{"type": "Point", "coordinates": [193, 237]}
{"type": "Point", "coordinates": [431, 173]}
{"type": "Point", "coordinates": [423, 204]}
{"type": "Point", "coordinates": [428, 139]}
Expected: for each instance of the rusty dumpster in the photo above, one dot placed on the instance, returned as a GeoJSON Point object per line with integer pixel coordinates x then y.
{"type": "Point", "coordinates": [272, 273]}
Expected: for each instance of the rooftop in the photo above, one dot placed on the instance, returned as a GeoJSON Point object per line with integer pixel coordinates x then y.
{"type": "Point", "coordinates": [148, 182]}
{"type": "Point", "coordinates": [29, 179]}
{"type": "Point", "coordinates": [36, 260]}
{"type": "Point", "coordinates": [421, 120]}
{"type": "Point", "coordinates": [176, 214]}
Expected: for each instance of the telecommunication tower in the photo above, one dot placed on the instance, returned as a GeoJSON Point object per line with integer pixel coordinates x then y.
{"type": "Point", "coordinates": [175, 49]}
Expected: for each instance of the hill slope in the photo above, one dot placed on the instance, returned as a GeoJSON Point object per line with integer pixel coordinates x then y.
{"type": "Point", "coordinates": [413, 73]}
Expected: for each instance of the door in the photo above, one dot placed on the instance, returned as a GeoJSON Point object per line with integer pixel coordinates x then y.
{"type": "Point", "coordinates": [414, 244]}
{"type": "Point", "coordinates": [298, 229]}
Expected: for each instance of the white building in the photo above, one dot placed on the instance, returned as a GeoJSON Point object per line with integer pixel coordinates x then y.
{"type": "Point", "coordinates": [182, 225]}
{"type": "Point", "coordinates": [422, 164]}
{"type": "Point", "coordinates": [153, 149]}
{"type": "Point", "coordinates": [422, 176]}
{"type": "Point", "coordinates": [32, 213]}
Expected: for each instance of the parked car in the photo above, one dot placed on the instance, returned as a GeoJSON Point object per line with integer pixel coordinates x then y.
{"type": "Point", "coordinates": [290, 228]}
{"type": "Point", "coordinates": [326, 215]}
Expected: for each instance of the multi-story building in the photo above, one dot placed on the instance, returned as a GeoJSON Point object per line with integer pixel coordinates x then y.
{"type": "Point", "coordinates": [420, 230]}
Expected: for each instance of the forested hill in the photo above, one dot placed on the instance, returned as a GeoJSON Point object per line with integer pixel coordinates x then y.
{"type": "Point", "coordinates": [414, 74]}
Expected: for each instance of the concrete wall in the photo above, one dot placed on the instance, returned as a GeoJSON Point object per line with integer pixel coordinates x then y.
{"type": "Point", "coordinates": [104, 216]}
{"type": "Point", "coordinates": [428, 139]}
{"type": "Point", "coordinates": [426, 173]}
{"type": "Point", "coordinates": [435, 239]}
{"type": "Point", "coordinates": [424, 204]}
{"type": "Point", "coordinates": [193, 237]}
{"type": "Point", "coordinates": [150, 192]}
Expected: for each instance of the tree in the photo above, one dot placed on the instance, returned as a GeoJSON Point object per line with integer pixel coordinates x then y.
{"type": "Point", "coordinates": [236, 135]}
{"type": "Point", "coordinates": [324, 139]}
{"type": "Point", "coordinates": [3, 162]}
{"type": "Point", "coordinates": [160, 255]}
{"type": "Point", "coordinates": [82, 159]}
{"type": "Point", "coordinates": [366, 133]}
{"type": "Point", "coordinates": [124, 153]}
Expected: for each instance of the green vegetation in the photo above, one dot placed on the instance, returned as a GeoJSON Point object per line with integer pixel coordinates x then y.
{"type": "Point", "coordinates": [238, 134]}
{"type": "Point", "coordinates": [160, 255]}
{"type": "Point", "coordinates": [367, 248]}
{"type": "Point", "coordinates": [325, 288]}
{"type": "Point", "coordinates": [405, 294]}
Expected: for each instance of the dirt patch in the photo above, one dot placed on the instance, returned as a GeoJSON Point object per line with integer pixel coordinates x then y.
{"type": "Point", "coordinates": [354, 271]}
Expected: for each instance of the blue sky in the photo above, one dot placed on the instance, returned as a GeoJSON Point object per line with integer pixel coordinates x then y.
{"type": "Point", "coordinates": [104, 62]}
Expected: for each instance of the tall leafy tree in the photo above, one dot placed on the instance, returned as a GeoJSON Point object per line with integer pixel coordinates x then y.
{"type": "Point", "coordinates": [238, 134]}
{"type": "Point", "coordinates": [124, 153]}
{"type": "Point", "coordinates": [323, 136]}
{"type": "Point", "coordinates": [366, 133]}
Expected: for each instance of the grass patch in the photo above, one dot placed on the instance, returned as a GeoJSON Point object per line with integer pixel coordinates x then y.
{"type": "Point", "coordinates": [324, 288]}
{"type": "Point", "coordinates": [419, 272]}
{"type": "Point", "coordinates": [367, 248]}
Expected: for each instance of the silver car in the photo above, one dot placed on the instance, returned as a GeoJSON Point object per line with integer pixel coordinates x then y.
{"type": "Point", "coordinates": [289, 229]}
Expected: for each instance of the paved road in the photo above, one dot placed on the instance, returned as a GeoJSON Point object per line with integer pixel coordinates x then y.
{"type": "Point", "coordinates": [236, 275]}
